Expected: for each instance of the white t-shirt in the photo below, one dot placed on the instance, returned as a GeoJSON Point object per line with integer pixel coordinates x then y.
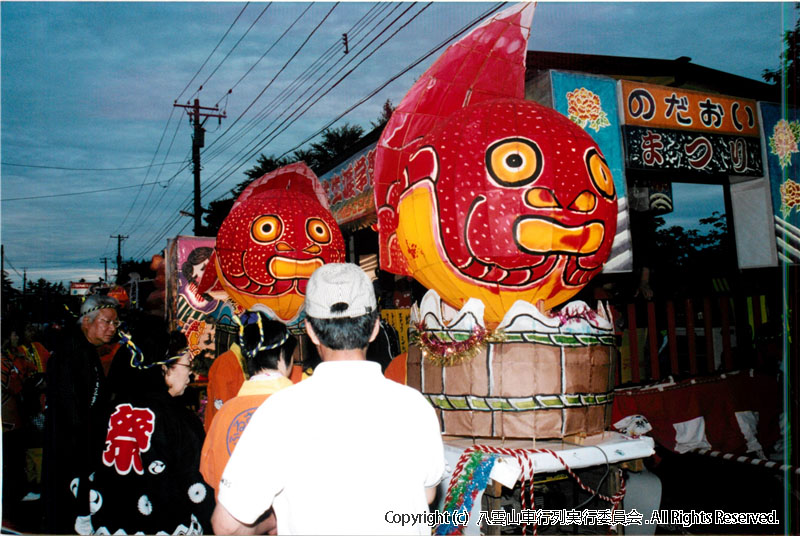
{"type": "Point", "coordinates": [343, 452]}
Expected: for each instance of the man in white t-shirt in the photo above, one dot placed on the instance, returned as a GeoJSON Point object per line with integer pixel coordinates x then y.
{"type": "Point", "coordinates": [346, 451]}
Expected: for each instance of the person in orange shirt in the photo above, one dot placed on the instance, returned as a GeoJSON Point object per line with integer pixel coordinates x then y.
{"type": "Point", "coordinates": [267, 347]}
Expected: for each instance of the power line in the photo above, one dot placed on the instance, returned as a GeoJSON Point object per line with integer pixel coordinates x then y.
{"type": "Point", "coordinates": [211, 54]}
{"type": "Point", "coordinates": [290, 120]}
{"type": "Point", "coordinates": [234, 47]}
{"type": "Point", "coordinates": [265, 53]}
{"type": "Point", "coordinates": [258, 144]}
{"type": "Point", "coordinates": [88, 169]}
{"type": "Point", "coordinates": [74, 193]}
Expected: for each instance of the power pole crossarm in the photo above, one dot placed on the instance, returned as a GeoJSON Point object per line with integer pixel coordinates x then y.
{"type": "Point", "coordinates": [119, 238]}
{"type": "Point", "coordinates": [195, 112]}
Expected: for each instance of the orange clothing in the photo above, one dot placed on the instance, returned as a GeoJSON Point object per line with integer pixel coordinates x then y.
{"type": "Point", "coordinates": [230, 422]}
{"type": "Point", "coordinates": [38, 355]}
{"type": "Point", "coordinates": [225, 377]}
{"type": "Point", "coordinates": [397, 369]}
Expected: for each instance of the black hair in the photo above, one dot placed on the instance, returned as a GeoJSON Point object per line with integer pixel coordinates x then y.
{"type": "Point", "coordinates": [344, 333]}
{"type": "Point", "coordinates": [266, 343]}
{"type": "Point", "coordinates": [195, 257]}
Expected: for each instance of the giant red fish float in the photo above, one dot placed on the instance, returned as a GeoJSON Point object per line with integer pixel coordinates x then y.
{"type": "Point", "coordinates": [484, 194]}
{"type": "Point", "coordinates": [277, 233]}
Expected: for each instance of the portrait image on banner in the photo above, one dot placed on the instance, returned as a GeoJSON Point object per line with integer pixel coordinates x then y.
{"type": "Point", "coordinates": [197, 314]}
{"type": "Point", "coordinates": [782, 150]}
{"type": "Point", "coordinates": [591, 103]}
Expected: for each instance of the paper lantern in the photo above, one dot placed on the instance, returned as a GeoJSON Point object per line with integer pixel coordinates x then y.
{"type": "Point", "coordinates": [483, 194]}
{"type": "Point", "coordinates": [277, 233]}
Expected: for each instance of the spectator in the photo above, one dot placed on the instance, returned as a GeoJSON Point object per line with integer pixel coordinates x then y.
{"type": "Point", "coordinates": [268, 347]}
{"type": "Point", "coordinates": [148, 480]}
{"type": "Point", "coordinates": [321, 444]}
{"type": "Point", "coordinates": [76, 403]}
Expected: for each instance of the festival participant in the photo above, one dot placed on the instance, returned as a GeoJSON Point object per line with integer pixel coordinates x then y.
{"type": "Point", "coordinates": [322, 443]}
{"type": "Point", "coordinates": [148, 477]}
{"type": "Point", "coordinates": [76, 402]}
{"type": "Point", "coordinates": [225, 377]}
{"type": "Point", "coordinates": [268, 347]}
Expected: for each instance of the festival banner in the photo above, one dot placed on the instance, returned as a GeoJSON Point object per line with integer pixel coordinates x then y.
{"type": "Point", "coordinates": [205, 320]}
{"type": "Point", "coordinates": [681, 150]}
{"type": "Point", "coordinates": [591, 102]}
{"type": "Point", "coordinates": [672, 108]}
{"type": "Point", "coordinates": [349, 187]}
{"type": "Point", "coordinates": [782, 153]}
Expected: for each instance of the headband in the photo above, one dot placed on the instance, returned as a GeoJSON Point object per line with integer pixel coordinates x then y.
{"type": "Point", "coordinates": [137, 356]}
{"type": "Point", "coordinates": [98, 307]}
{"type": "Point", "coordinates": [251, 354]}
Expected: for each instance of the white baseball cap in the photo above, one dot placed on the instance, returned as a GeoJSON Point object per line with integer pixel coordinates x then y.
{"type": "Point", "coordinates": [339, 290]}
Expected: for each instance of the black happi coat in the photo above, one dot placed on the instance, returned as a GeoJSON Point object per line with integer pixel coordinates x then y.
{"type": "Point", "coordinates": [149, 477]}
{"type": "Point", "coordinates": [77, 400]}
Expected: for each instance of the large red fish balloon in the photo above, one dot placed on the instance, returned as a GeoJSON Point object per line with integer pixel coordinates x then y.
{"type": "Point", "coordinates": [481, 193]}
{"type": "Point", "coordinates": [277, 233]}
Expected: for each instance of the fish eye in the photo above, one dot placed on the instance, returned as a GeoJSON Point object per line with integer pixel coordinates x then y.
{"type": "Point", "coordinates": [318, 230]}
{"type": "Point", "coordinates": [266, 229]}
{"type": "Point", "coordinates": [514, 161]}
{"type": "Point", "coordinates": [600, 173]}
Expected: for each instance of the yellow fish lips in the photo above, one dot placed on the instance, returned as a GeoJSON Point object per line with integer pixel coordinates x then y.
{"type": "Point", "coordinates": [540, 236]}
{"type": "Point", "coordinates": [286, 268]}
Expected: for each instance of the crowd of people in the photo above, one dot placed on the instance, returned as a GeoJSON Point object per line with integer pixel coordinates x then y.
{"type": "Point", "coordinates": [289, 448]}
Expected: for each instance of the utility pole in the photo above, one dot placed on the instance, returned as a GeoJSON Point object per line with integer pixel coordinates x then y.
{"type": "Point", "coordinates": [105, 266]}
{"type": "Point", "coordinates": [198, 141]}
{"type": "Point", "coordinates": [119, 238]}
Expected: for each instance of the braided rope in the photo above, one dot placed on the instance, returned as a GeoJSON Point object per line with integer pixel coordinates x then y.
{"type": "Point", "coordinates": [525, 459]}
{"type": "Point", "coordinates": [261, 346]}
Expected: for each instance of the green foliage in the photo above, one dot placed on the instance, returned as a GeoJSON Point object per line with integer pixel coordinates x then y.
{"type": "Point", "coordinates": [686, 255]}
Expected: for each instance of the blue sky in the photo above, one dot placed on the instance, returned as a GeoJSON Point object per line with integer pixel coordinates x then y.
{"type": "Point", "coordinates": [88, 91]}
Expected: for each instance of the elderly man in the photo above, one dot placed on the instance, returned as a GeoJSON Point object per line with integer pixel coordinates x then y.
{"type": "Point", "coordinates": [317, 451]}
{"type": "Point", "coordinates": [74, 427]}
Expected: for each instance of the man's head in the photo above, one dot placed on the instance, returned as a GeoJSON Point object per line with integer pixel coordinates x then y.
{"type": "Point", "coordinates": [341, 308]}
{"type": "Point", "coordinates": [99, 319]}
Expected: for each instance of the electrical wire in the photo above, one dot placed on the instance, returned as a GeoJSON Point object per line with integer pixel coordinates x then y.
{"type": "Point", "coordinates": [234, 46]}
{"type": "Point", "coordinates": [5, 199]}
{"type": "Point", "coordinates": [88, 169]}
{"type": "Point", "coordinates": [211, 54]}
{"type": "Point", "coordinates": [297, 113]}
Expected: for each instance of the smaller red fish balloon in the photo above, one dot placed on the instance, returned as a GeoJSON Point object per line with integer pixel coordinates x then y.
{"type": "Point", "coordinates": [278, 232]}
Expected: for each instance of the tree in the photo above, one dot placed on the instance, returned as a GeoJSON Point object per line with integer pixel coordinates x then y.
{"type": "Point", "coordinates": [789, 60]}
{"type": "Point", "coordinates": [386, 113]}
{"type": "Point", "coordinates": [335, 145]}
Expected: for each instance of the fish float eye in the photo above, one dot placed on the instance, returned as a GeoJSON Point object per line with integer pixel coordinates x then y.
{"type": "Point", "coordinates": [318, 231]}
{"type": "Point", "coordinates": [600, 173]}
{"type": "Point", "coordinates": [266, 229]}
{"type": "Point", "coordinates": [514, 161]}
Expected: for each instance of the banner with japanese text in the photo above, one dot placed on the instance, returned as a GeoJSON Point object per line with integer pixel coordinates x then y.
{"type": "Point", "coordinates": [349, 187]}
{"type": "Point", "coordinates": [782, 150]}
{"type": "Point", "coordinates": [591, 102]}
{"type": "Point", "coordinates": [682, 130]}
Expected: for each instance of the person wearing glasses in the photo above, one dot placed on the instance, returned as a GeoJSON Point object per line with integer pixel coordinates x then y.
{"type": "Point", "coordinates": [76, 397]}
{"type": "Point", "coordinates": [147, 478]}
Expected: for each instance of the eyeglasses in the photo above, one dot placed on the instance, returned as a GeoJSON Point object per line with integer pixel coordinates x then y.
{"type": "Point", "coordinates": [114, 323]}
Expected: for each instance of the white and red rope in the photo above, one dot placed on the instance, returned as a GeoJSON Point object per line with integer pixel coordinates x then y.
{"type": "Point", "coordinates": [525, 459]}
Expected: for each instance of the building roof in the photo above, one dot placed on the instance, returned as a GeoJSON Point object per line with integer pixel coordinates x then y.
{"type": "Point", "coordinates": [679, 72]}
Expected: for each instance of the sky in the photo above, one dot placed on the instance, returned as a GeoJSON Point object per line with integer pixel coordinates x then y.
{"type": "Point", "coordinates": [93, 148]}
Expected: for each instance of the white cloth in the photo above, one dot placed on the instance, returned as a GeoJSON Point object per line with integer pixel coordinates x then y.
{"type": "Point", "coordinates": [338, 453]}
{"type": "Point", "coordinates": [690, 435]}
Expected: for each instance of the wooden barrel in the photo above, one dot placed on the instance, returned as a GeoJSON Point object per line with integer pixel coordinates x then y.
{"type": "Point", "coordinates": [532, 385]}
